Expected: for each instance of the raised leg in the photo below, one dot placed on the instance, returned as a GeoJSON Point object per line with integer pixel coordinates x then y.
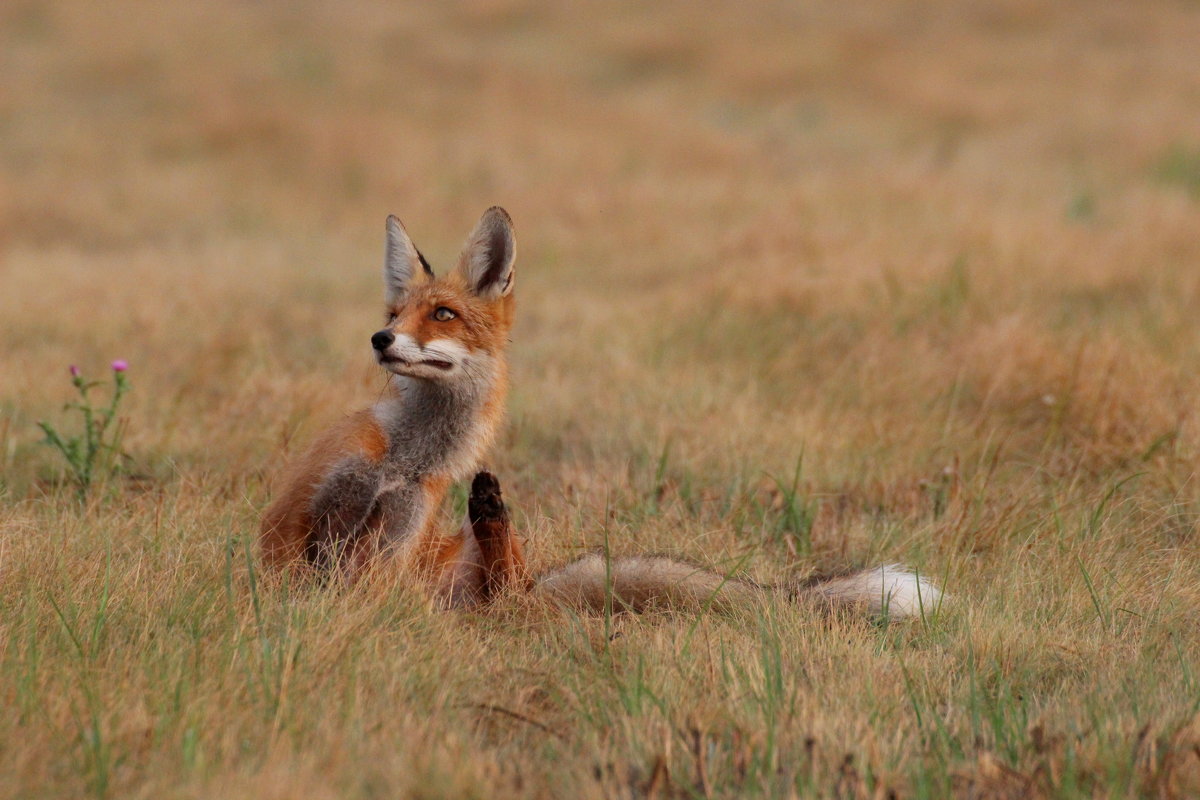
{"type": "Point", "coordinates": [502, 559]}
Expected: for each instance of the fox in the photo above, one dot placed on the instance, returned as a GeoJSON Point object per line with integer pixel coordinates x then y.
{"type": "Point", "coordinates": [368, 492]}
{"type": "Point", "coordinates": [370, 488]}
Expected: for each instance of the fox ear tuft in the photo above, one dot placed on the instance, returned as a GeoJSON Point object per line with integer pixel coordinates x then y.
{"type": "Point", "coordinates": [403, 264]}
{"type": "Point", "coordinates": [490, 253]}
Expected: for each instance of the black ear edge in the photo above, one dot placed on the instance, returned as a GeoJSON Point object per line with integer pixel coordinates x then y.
{"type": "Point", "coordinates": [498, 211]}
{"type": "Point", "coordinates": [425, 264]}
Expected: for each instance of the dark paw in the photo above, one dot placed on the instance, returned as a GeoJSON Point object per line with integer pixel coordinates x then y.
{"type": "Point", "coordinates": [485, 503]}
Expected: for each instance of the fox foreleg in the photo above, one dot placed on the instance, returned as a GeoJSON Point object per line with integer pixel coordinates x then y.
{"type": "Point", "coordinates": [340, 510]}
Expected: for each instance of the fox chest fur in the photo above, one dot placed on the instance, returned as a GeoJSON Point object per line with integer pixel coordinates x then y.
{"type": "Point", "coordinates": [434, 435]}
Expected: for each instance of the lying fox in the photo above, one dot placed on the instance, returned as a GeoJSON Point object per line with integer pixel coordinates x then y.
{"type": "Point", "coordinates": [369, 490]}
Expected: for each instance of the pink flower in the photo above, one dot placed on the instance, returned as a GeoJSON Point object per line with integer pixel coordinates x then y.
{"type": "Point", "coordinates": [74, 370]}
{"type": "Point", "coordinates": [120, 365]}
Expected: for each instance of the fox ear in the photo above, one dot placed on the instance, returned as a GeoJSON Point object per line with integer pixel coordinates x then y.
{"type": "Point", "coordinates": [488, 258]}
{"type": "Point", "coordinates": [403, 264]}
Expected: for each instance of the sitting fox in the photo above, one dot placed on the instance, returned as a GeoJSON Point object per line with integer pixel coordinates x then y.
{"type": "Point", "coordinates": [369, 490]}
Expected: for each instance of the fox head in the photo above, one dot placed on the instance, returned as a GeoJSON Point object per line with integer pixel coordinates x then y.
{"type": "Point", "coordinates": [454, 327]}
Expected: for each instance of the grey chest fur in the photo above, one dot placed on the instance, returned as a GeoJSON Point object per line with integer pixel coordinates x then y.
{"type": "Point", "coordinates": [430, 428]}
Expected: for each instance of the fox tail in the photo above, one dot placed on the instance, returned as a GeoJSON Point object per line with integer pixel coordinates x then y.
{"type": "Point", "coordinates": [638, 583]}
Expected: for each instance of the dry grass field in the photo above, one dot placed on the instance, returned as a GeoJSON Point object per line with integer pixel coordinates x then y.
{"type": "Point", "coordinates": [800, 286]}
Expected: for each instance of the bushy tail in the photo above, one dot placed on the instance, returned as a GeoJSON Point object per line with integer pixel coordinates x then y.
{"type": "Point", "coordinates": [638, 583]}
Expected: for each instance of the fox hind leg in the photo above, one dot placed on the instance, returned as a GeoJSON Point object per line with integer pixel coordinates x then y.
{"type": "Point", "coordinates": [502, 558]}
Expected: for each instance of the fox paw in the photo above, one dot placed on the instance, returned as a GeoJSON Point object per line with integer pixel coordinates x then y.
{"type": "Point", "coordinates": [485, 503]}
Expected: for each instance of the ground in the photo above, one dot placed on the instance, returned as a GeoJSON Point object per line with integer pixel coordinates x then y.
{"type": "Point", "coordinates": [801, 286]}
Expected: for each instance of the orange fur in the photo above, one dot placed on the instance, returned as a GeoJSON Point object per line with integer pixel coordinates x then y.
{"type": "Point", "coordinates": [502, 559]}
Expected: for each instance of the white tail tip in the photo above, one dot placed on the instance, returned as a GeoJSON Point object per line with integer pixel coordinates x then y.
{"type": "Point", "coordinates": [891, 589]}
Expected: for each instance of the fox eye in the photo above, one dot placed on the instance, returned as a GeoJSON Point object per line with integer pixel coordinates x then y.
{"type": "Point", "coordinates": [443, 314]}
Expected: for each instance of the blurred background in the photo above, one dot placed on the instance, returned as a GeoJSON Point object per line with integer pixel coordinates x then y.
{"type": "Point", "coordinates": [758, 225]}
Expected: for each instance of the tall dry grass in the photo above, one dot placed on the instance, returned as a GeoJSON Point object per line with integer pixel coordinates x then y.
{"type": "Point", "coordinates": [799, 287]}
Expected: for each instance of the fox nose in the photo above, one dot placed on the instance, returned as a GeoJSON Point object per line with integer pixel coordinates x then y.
{"type": "Point", "coordinates": [382, 340]}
